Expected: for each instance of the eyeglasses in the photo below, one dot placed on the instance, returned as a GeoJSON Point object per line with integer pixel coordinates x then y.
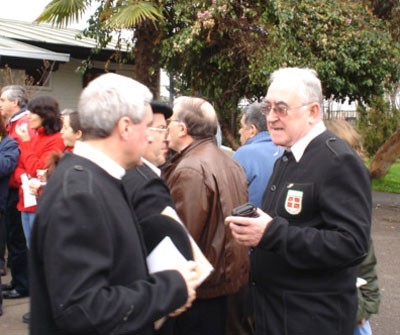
{"type": "Point", "coordinates": [281, 110]}
{"type": "Point", "coordinates": [161, 128]}
{"type": "Point", "coordinates": [169, 121]}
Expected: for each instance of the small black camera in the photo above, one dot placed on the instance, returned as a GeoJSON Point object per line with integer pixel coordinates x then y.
{"type": "Point", "coordinates": [246, 210]}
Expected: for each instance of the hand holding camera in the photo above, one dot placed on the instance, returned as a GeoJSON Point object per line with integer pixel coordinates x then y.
{"type": "Point", "coordinates": [248, 224]}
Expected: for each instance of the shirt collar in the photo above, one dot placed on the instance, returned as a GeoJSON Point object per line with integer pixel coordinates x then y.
{"type": "Point", "coordinates": [91, 153]}
{"type": "Point", "coordinates": [300, 146]}
{"type": "Point", "coordinates": [155, 169]}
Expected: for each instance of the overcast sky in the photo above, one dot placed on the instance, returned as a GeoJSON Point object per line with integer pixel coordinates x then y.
{"type": "Point", "coordinates": [28, 10]}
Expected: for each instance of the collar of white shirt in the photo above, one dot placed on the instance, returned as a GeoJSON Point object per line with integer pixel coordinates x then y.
{"type": "Point", "coordinates": [300, 146]}
{"type": "Point", "coordinates": [89, 152]}
{"type": "Point", "coordinates": [155, 169]}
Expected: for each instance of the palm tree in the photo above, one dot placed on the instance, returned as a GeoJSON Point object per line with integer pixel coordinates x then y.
{"type": "Point", "coordinates": [144, 17]}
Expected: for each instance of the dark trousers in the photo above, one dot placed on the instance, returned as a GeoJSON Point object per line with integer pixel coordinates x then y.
{"type": "Point", "coordinates": [3, 240]}
{"type": "Point", "coordinates": [16, 245]}
{"type": "Point", "coordinates": [206, 316]}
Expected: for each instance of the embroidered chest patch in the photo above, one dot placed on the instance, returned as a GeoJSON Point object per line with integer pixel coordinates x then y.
{"type": "Point", "coordinates": [293, 202]}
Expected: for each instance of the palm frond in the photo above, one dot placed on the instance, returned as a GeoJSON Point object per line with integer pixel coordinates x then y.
{"type": "Point", "coordinates": [133, 13]}
{"type": "Point", "coordinates": [63, 12]}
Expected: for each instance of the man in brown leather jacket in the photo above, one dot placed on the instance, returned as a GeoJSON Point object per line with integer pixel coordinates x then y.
{"type": "Point", "coordinates": [206, 184]}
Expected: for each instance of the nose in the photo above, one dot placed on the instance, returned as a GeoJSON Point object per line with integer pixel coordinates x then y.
{"type": "Point", "coordinates": [271, 117]}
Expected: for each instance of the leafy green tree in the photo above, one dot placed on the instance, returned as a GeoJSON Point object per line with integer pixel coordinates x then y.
{"type": "Point", "coordinates": [226, 50]}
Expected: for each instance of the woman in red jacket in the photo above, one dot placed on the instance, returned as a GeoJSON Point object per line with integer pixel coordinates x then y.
{"type": "Point", "coordinates": [44, 116]}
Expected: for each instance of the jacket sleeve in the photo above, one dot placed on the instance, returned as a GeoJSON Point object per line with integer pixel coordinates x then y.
{"type": "Point", "coordinates": [9, 154]}
{"type": "Point", "coordinates": [191, 195]}
{"type": "Point", "coordinates": [78, 261]}
{"type": "Point", "coordinates": [369, 296]}
{"type": "Point", "coordinates": [336, 234]}
{"type": "Point", "coordinates": [32, 161]}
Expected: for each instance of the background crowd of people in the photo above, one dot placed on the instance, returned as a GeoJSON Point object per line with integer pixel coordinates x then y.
{"type": "Point", "coordinates": [88, 194]}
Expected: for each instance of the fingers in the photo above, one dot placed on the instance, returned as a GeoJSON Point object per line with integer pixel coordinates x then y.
{"type": "Point", "coordinates": [191, 276]}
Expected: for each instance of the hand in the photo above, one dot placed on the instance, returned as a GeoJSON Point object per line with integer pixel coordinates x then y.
{"type": "Point", "coordinates": [248, 231]}
{"type": "Point", "coordinates": [42, 175]}
{"type": "Point", "coordinates": [34, 186]}
{"type": "Point", "coordinates": [22, 132]}
{"type": "Point", "coordinates": [362, 322]}
{"type": "Point", "coordinates": [191, 276]}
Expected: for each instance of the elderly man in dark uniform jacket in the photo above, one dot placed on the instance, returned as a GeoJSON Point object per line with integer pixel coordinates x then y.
{"type": "Point", "coordinates": [88, 268]}
{"type": "Point", "coordinates": [314, 225]}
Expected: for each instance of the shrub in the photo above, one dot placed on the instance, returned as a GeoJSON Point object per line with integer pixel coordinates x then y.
{"type": "Point", "coordinates": [376, 123]}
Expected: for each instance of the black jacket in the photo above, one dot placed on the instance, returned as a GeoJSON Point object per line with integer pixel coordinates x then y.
{"type": "Point", "coordinates": [87, 261]}
{"type": "Point", "coordinates": [149, 195]}
{"type": "Point", "coordinates": [304, 268]}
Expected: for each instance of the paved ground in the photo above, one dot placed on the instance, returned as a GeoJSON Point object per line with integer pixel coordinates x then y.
{"type": "Point", "coordinates": [386, 235]}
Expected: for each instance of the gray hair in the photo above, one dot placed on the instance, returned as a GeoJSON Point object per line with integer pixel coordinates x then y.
{"type": "Point", "coordinates": [254, 114]}
{"type": "Point", "coordinates": [106, 100]}
{"type": "Point", "coordinates": [16, 92]}
{"type": "Point", "coordinates": [198, 115]}
{"type": "Point", "coordinates": [306, 81]}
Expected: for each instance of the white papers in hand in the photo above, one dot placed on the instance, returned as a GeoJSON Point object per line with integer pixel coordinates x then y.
{"type": "Point", "coordinates": [360, 282]}
{"type": "Point", "coordinates": [165, 256]}
{"type": "Point", "coordinates": [203, 264]}
{"type": "Point", "coordinates": [29, 198]}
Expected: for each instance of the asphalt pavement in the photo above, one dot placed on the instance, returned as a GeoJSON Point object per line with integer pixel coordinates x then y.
{"type": "Point", "coordinates": [386, 235]}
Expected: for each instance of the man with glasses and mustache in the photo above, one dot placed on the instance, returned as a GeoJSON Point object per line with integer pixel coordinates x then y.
{"type": "Point", "coordinates": [314, 224]}
{"type": "Point", "coordinates": [146, 191]}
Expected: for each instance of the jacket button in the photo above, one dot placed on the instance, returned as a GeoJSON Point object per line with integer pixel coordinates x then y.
{"type": "Point", "coordinates": [273, 188]}
{"type": "Point", "coordinates": [253, 283]}
{"type": "Point", "coordinates": [284, 159]}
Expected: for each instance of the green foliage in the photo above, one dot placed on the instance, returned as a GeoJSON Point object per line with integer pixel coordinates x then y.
{"type": "Point", "coordinates": [391, 182]}
{"type": "Point", "coordinates": [226, 50]}
{"type": "Point", "coordinates": [350, 49]}
{"type": "Point", "coordinates": [63, 12]}
{"type": "Point", "coordinates": [376, 123]}
{"type": "Point", "coordinates": [131, 14]}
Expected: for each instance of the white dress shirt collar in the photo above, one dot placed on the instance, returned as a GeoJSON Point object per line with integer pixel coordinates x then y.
{"type": "Point", "coordinates": [300, 146]}
{"type": "Point", "coordinates": [89, 152]}
{"type": "Point", "coordinates": [155, 169]}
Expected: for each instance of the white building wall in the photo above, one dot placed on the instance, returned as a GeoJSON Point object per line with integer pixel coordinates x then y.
{"type": "Point", "coordinates": [65, 84]}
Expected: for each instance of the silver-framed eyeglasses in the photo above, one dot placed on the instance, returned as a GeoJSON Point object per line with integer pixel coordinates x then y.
{"type": "Point", "coordinates": [169, 121]}
{"type": "Point", "coordinates": [281, 110]}
{"type": "Point", "coordinates": [160, 129]}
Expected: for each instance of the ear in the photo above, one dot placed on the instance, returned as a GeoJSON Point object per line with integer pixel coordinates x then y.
{"type": "Point", "coordinates": [253, 130]}
{"type": "Point", "coordinates": [123, 127]}
{"type": "Point", "coordinates": [315, 111]}
{"type": "Point", "coordinates": [182, 130]}
{"type": "Point", "coordinates": [78, 134]}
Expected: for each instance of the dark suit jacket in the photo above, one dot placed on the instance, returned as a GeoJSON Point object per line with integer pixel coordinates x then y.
{"type": "Point", "coordinates": [88, 273]}
{"type": "Point", "coordinates": [149, 195]}
{"type": "Point", "coordinates": [304, 268]}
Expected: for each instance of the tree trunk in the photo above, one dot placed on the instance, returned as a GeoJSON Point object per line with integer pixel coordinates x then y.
{"type": "Point", "coordinates": [147, 56]}
{"type": "Point", "coordinates": [228, 136]}
{"type": "Point", "coordinates": [385, 156]}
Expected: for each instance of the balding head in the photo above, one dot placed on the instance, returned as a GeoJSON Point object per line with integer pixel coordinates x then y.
{"type": "Point", "coordinates": [198, 115]}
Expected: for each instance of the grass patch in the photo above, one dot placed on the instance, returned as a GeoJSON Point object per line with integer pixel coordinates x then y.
{"type": "Point", "coordinates": [391, 182]}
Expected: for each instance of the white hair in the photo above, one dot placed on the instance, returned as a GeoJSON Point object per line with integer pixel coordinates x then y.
{"type": "Point", "coordinates": [108, 98]}
{"type": "Point", "coordinates": [304, 79]}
